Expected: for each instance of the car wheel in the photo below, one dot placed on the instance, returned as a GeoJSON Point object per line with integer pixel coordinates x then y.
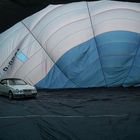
{"type": "Point", "coordinates": [10, 95]}
{"type": "Point", "coordinates": [35, 96]}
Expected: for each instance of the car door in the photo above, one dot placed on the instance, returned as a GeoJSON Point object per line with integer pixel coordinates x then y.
{"type": "Point", "coordinates": [1, 89]}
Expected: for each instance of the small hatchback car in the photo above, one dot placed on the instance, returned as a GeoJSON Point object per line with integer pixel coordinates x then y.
{"type": "Point", "coordinates": [16, 88]}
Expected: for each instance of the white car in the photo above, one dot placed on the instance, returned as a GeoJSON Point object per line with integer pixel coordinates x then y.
{"type": "Point", "coordinates": [16, 88]}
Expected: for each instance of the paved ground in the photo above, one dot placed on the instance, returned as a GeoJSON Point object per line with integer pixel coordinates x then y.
{"type": "Point", "coordinates": [89, 114]}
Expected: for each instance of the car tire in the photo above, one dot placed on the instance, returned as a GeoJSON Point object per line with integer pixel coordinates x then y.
{"type": "Point", "coordinates": [10, 95]}
{"type": "Point", "coordinates": [35, 96]}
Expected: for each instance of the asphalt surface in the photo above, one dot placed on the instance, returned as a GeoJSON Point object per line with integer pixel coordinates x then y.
{"type": "Point", "coordinates": [81, 114]}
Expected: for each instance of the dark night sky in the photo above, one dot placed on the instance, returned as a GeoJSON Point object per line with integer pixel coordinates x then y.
{"type": "Point", "coordinates": [12, 11]}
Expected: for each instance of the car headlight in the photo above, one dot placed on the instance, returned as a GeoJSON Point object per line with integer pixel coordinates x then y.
{"type": "Point", "coordinates": [17, 90]}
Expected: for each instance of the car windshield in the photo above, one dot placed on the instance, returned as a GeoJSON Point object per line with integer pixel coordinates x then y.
{"type": "Point", "coordinates": [17, 82]}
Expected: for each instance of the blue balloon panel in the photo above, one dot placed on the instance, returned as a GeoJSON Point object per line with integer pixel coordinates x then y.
{"type": "Point", "coordinates": [108, 60]}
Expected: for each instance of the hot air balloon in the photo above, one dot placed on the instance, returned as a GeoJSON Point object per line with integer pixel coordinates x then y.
{"type": "Point", "coordinates": [75, 45]}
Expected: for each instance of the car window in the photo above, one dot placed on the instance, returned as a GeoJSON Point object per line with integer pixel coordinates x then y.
{"type": "Point", "coordinates": [4, 82]}
{"type": "Point", "coordinates": [16, 82]}
{"type": "Point", "coordinates": [11, 82]}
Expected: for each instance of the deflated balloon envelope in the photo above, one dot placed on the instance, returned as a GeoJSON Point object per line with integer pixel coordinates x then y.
{"type": "Point", "coordinates": [75, 45]}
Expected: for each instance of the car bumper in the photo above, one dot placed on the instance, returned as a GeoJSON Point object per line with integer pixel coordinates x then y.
{"type": "Point", "coordinates": [24, 95]}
